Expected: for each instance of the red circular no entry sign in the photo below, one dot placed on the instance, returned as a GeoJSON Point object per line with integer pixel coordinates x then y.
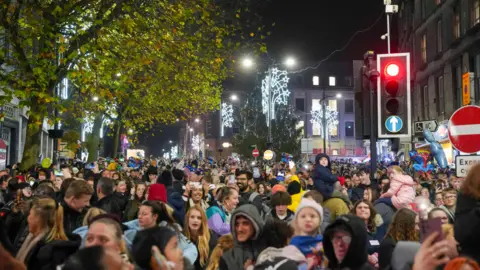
{"type": "Point", "coordinates": [255, 153]}
{"type": "Point", "coordinates": [464, 129]}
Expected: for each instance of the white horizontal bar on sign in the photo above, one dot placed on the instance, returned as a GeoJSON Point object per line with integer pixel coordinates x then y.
{"type": "Point", "coordinates": [465, 130]}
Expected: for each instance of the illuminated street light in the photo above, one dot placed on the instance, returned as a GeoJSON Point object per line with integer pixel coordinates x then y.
{"type": "Point", "coordinates": [247, 62]}
{"type": "Point", "coordinates": [119, 74]}
{"type": "Point", "coordinates": [290, 62]}
{"type": "Point", "coordinates": [130, 131]}
{"type": "Point", "coordinates": [197, 120]}
{"type": "Point", "coordinates": [338, 95]}
{"type": "Point", "coordinates": [178, 120]}
{"type": "Point", "coordinates": [95, 98]}
{"type": "Point", "coordinates": [191, 129]}
{"type": "Point", "coordinates": [170, 141]}
{"type": "Point", "coordinates": [234, 97]}
{"type": "Point", "coordinates": [226, 145]}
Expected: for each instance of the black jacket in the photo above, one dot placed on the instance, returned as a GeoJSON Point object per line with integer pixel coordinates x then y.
{"type": "Point", "coordinates": [323, 179]}
{"type": "Point", "coordinates": [110, 205]}
{"type": "Point", "coordinates": [467, 222]}
{"type": "Point", "coordinates": [257, 201]}
{"type": "Point", "coordinates": [72, 219]}
{"type": "Point", "coordinates": [56, 253]}
{"type": "Point", "coordinates": [357, 256]}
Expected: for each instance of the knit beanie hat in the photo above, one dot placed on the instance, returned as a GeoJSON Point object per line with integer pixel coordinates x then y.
{"type": "Point", "coordinates": [157, 192]}
{"type": "Point", "coordinates": [278, 188]}
{"type": "Point", "coordinates": [312, 204]}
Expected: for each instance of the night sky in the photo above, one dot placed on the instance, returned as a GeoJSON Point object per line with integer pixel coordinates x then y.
{"type": "Point", "coordinates": [309, 30]}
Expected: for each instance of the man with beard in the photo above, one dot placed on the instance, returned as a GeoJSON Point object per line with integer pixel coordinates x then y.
{"type": "Point", "coordinates": [247, 194]}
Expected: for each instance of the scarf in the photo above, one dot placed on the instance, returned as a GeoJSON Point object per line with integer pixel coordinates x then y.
{"type": "Point", "coordinates": [28, 244]}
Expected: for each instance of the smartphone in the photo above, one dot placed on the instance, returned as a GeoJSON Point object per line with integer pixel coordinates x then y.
{"type": "Point", "coordinates": [429, 226]}
{"type": "Point", "coordinates": [231, 179]}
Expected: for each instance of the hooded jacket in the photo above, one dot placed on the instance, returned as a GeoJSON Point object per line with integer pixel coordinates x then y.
{"type": "Point", "coordinates": [241, 252]}
{"type": "Point", "coordinates": [323, 179]}
{"type": "Point", "coordinates": [357, 256]}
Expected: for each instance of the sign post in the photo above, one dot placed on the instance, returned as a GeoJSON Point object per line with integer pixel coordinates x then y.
{"type": "Point", "coordinates": [255, 153]}
{"type": "Point", "coordinates": [464, 129]}
{"type": "Point", "coordinates": [463, 164]}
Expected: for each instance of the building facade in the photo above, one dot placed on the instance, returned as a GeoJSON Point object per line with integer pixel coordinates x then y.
{"type": "Point", "coordinates": [443, 38]}
{"type": "Point", "coordinates": [332, 85]}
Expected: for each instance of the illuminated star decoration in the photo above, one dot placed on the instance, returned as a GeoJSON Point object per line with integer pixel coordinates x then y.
{"type": "Point", "coordinates": [196, 142]}
{"type": "Point", "coordinates": [227, 116]}
{"type": "Point", "coordinates": [331, 118]}
{"type": "Point", "coordinates": [279, 93]}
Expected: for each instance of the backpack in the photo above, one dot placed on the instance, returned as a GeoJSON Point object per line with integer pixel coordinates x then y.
{"type": "Point", "coordinates": [265, 209]}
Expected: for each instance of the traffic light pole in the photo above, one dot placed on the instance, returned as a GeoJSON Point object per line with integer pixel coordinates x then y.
{"type": "Point", "coordinates": [372, 74]}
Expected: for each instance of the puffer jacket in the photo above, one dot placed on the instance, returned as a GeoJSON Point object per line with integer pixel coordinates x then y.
{"type": "Point", "coordinates": [402, 190]}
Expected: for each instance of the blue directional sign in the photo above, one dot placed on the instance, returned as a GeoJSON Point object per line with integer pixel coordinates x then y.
{"type": "Point", "coordinates": [394, 124]}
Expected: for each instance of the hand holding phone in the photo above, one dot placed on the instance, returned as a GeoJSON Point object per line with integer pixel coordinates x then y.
{"type": "Point", "coordinates": [429, 226]}
{"type": "Point", "coordinates": [231, 179]}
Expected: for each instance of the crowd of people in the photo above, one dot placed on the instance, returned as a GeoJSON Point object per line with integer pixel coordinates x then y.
{"type": "Point", "coordinates": [231, 215]}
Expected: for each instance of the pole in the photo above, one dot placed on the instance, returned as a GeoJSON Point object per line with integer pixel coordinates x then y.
{"type": "Point", "coordinates": [324, 123]}
{"type": "Point", "coordinates": [185, 140]}
{"type": "Point", "coordinates": [373, 135]}
{"type": "Point", "coordinates": [269, 114]}
{"type": "Point", "coordinates": [388, 32]}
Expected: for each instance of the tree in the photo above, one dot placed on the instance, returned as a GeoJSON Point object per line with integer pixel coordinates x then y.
{"type": "Point", "coordinates": [285, 134]}
{"type": "Point", "coordinates": [89, 42]}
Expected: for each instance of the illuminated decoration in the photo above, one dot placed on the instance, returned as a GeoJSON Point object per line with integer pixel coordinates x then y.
{"type": "Point", "coordinates": [196, 142]}
{"type": "Point", "coordinates": [275, 88]}
{"type": "Point", "coordinates": [106, 122]}
{"type": "Point", "coordinates": [174, 152]}
{"type": "Point", "coordinates": [227, 117]}
{"type": "Point", "coordinates": [166, 156]}
{"type": "Point", "coordinates": [331, 118]}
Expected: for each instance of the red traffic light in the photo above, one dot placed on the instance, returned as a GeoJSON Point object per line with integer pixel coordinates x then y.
{"type": "Point", "coordinates": [392, 70]}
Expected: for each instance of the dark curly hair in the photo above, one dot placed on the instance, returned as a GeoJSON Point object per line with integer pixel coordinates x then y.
{"type": "Point", "coordinates": [402, 227]}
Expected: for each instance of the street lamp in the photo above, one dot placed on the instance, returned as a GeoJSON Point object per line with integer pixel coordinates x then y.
{"type": "Point", "coordinates": [170, 141]}
{"type": "Point", "coordinates": [197, 120]}
{"type": "Point", "coordinates": [234, 97]}
{"type": "Point", "coordinates": [119, 74]}
{"type": "Point", "coordinates": [95, 98]}
{"type": "Point", "coordinates": [130, 131]}
{"type": "Point", "coordinates": [247, 62]}
{"type": "Point", "coordinates": [338, 95]}
{"type": "Point", "coordinates": [290, 62]}
{"type": "Point", "coordinates": [191, 129]}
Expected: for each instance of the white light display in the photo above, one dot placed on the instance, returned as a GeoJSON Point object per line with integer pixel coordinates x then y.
{"type": "Point", "coordinates": [275, 88]}
{"type": "Point", "coordinates": [227, 117]}
{"type": "Point", "coordinates": [174, 152]}
{"type": "Point", "coordinates": [196, 142]}
{"type": "Point", "coordinates": [331, 118]}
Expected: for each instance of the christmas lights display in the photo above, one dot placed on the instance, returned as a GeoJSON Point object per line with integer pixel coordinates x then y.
{"type": "Point", "coordinates": [227, 116]}
{"type": "Point", "coordinates": [274, 91]}
{"type": "Point", "coordinates": [331, 118]}
{"type": "Point", "coordinates": [174, 152]}
{"type": "Point", "coordinates": [196, 142]}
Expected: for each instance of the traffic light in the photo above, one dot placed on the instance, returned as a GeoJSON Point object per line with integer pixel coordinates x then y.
{"type": "Point", "coordinates": [393, 95]}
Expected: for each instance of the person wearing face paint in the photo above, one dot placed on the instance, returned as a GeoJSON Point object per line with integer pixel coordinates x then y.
{"type": "Point", "coordinates": [246, 226]}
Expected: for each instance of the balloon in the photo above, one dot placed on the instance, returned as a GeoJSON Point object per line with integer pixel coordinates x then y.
{"type": "Point", "coordinates": [46, 163]}
{"type": "Point", "coordinates": [436, 149]}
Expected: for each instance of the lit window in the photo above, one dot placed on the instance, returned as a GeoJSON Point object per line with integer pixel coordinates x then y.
{"type": "Point", "coordinates": [331, 81]}
{"type": "Point", "coordinates": [316, 80]}
{"type": "Point", "coordinates": [300, 125]}
{"type": "Point", "coordinates": [476, 12]}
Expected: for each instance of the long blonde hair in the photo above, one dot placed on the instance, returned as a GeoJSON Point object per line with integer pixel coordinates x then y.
{"type": "Point", "coordinates": [203, 235]}
{"type": "Point", "coordinates": [224, 243]}
{"type": "Point", "coordinates": [51, 215]}
{"type": "Point", "coordinates": [92, 212]}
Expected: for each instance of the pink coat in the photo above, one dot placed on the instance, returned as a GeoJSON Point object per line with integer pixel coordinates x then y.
{"type": "Point", "coordinates": [402, 190]}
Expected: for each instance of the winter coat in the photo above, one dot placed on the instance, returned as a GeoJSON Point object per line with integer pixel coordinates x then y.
{"type": "Point", "coordinates": [296, 198]}
{"type": "Point", "coordinates": [72, 219]}
{"type": "Point", "coordinates": [131, 210]}
{"type": "Point", "coordinates": [402, 191]}
{"type": "Point", "coordinates": [110, 205]}
{"type": "Point", "coordinates": [188, 248]}
{"type": "Point", "coordinates": [55, 253]}
{"type": "Point", "coordinates": [273, 216]}
{"type": "Point", "coordinates": [467, 222]}
{"type": "Point", "coordinates": [175, 200]}
{"type": "Point", "coordinates": [218, 220]}
{"type": "Point", "coordinates": [357, 256]}
{"type": "Point", "coordinates": [323, 179]}
{"type": "Point", "coordinates": [242, 251]}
